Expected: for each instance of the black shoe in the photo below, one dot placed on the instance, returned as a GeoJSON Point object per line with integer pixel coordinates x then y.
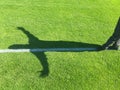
{"type": "Point", "coordinates": [114, 47]}
{"type": "Point", "coordinates": [104, 47]}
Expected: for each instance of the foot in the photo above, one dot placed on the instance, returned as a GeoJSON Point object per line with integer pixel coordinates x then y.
{"type": "Point", "coordinates": [104, 47]}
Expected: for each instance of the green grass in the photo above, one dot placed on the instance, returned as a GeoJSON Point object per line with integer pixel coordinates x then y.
{"type": "Point", "coordinates": [85, 21]}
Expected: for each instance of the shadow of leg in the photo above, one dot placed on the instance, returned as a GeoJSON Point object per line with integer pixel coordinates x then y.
{"type": "Point", "coordinates": [43, 60]}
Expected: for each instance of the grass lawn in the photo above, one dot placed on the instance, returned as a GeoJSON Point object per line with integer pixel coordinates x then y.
{"type": "Point", "coordinates": [58, 23]}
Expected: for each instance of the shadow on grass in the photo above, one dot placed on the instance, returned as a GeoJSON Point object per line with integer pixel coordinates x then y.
{"type": "Point", "coordinates": [34, 42]}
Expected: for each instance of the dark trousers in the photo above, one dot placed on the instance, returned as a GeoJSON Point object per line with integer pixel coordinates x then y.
{"type": "Point", "coordinates": [112, 41]}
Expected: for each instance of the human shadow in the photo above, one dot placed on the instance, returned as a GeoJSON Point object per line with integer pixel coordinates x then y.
{"type": "Point", "coordinates": [34, 42]}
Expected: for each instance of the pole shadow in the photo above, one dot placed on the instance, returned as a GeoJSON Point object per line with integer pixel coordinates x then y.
{"type": "Point", "coordinates": [34, 42]}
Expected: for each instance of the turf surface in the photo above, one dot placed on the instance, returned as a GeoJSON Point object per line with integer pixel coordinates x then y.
{"type": "Point", "coordinates": [58, 23]}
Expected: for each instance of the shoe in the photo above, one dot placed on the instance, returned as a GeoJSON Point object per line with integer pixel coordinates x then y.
{"type": "Point", "coordinates": [104, 47]}
{"type": "Point", "coordinates": [117, 48]}
{"type": "Point", "coordinates": [114, 47]}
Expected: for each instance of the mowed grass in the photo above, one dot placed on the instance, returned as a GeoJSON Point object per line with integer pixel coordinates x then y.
{"type": "Point", "coordinates": [84, 21]}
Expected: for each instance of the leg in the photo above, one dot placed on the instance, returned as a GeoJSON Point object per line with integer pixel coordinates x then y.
{"type": "Point", "coordinates": [110, 41]}
{"type": "Point", "coordinates": [116, 45]}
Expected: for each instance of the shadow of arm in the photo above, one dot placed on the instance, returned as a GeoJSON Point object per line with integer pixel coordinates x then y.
{"type": "Point", "coordinates": [19, 46]}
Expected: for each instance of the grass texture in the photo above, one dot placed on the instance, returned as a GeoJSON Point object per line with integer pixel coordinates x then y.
{"type": "Point", "coordinates": [55, 23]}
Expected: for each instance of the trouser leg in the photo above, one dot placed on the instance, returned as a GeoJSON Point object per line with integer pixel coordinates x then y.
{"type": "Point", "coordinates": [116, 44]}
{"type": "Point", "coordinates": [110, 41]}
